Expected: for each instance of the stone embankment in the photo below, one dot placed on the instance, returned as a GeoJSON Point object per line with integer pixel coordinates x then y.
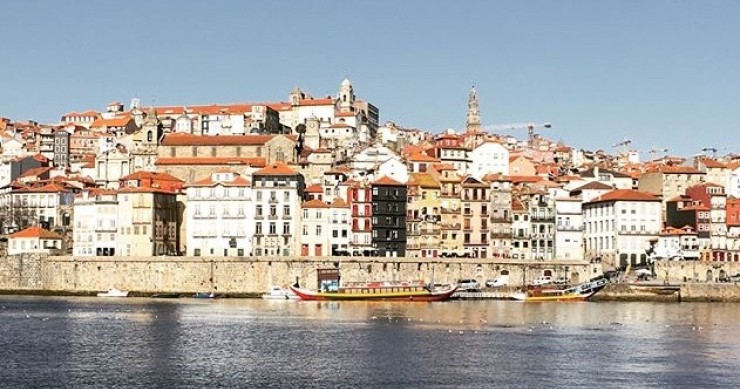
{"type": "Point", "coordinates": [689, 292]}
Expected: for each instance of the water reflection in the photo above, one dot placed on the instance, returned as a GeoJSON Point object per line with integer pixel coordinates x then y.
{"type": "Point", "coordinates": [78, 342]}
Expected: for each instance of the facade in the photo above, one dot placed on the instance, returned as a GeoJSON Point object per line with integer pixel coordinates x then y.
{"type": "Point", "coordinates": [619, 226]}
{"type": "Point", "coordinates": [500, 215]}
{"type": "Point", "coordinates": [34, 240]}
{"type": "Point", "coordinates": [389, 217]}
{"type": "Point", "coordinates": [61, 149]}
{"type": "Point", "coordinates": [489, 158]}
{"type": "Point", "coordinates": [96, 223]}
{"type": "Point", "coordinates": [423, 216]}
{"type": "Point", "coordinates": [219, 216]}
{"type": "Point", "coordinates": [148, 221]}
{"type": "Point", "coordinates": [568, 228]}
{"type": "Point", "coordinates": [359, 196]}
{"type": "Point", "coordinates": [277, 191]}
{"type": "Point", "coordinates": [476, 220]}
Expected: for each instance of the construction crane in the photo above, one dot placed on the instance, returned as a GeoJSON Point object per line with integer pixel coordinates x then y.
{"type": "Point", "coordinates": [654, 152]}
{"type": "Point", "coordinates": [622, 149]}
{"type": "Point", "coordinates": [530, 127]}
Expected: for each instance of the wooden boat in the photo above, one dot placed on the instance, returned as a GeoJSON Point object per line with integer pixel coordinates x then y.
{"type": "Point", "coordinates": [113, 292]}
{"type": "Point", "coordinates": [388, 291]}
{"type": "Point", "coordinates": [278, 293]}
{"type": "Point", "coordinates": [581, 292]}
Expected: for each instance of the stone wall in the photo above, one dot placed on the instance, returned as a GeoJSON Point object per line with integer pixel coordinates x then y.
{"type": "Point", "coordinates": [254, 275]}
{"type": "Point", "coordinates": [676, 272]}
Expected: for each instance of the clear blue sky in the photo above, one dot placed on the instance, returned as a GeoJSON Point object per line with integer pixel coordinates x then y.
{"type": "Point", "coordinates": [662, 73]}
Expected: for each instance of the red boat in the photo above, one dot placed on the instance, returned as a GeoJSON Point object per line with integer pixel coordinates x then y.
{"type": "Point", "coordinates": [388, 291]}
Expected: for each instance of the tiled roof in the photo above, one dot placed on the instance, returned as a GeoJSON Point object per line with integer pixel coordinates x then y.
{"type": "Point", "coordinates": [276, 169]}
{"type": "Point", "coordinates": [48, 188]}
{"type": "Point", "coordinates": [421, 157]}
{"type": "Point", "coordinates": [113, 122]}
{"type": "Point", "coordinates": [339, 203]}
{"type": "Point", "coordinates": [35, 172]}
{"type": "Point", "coordinates": [624, 195]}
{"type": "Point", "coordinates": [594, 185]}
{"type": "Point", "coordinates": [135, 189]}
{"type": "Point", "coordinates": [238, 181]}
{"type": "Point", "coordinates": [713, 164]}
{"type": "Point", "coordinates": [35, 232]}
{"type": "Point", "coordinates": [315, 204]}
{"type": "Point", "coordinates": [387, 181]}
{"type": "Point", "coordinates": [311, 102]}
{"type": "Point", "coordinates": [316, 188]}
{"type": "Point", "coordinates": [151, 175]}
{"type": "Point", "coordinates": [180, 139]}
{"type": "Point", "coordinates": [665, 169]}
{"type": "Point", "coordinates": [253, 161]}
{"type": "Point", "coordinates": [495, 177]}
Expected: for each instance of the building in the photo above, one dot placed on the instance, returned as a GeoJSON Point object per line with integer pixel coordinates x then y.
{"type": "Point", "coordinates": [489, 158]}
{"type": "Point", "coordinates": [277, 190]}
{"type": "Point", "coordinates": [219, 216]}
{"type": "Point", "coordinates": [389, 217]}
{"type": "Point", "coordinates": [568, 228]}
{"type": "Point", "coordinates": [315, 229]}
{"type": "Point", "coordinates": [500, 215]}
{"type": "Point", "coordinates": [667, 182]}
{"type": "Point", "coordinates": [423, 216]}
{"type": "Point", "coordinates": [61, 149]}
{"type": "Point", "coordinates": [713, 196]}
{"type": "Point", "coordinates": [475, 227]}
{"type": "Point", "coordinates": [619, 226]}
{"type": "Point", "coordinates": [96, 223]}
{"type": "Point", "coordinates": [359, 196]}
{"type": "Point", "coordinates": [34, 240]}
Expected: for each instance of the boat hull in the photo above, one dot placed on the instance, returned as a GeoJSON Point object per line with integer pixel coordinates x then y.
{"type": "Point", "coordinates": [581, 292]}
{"type": "Point", "coordinates": [114, 293]}
{"type": "Point", "coordinates": [419, 296]}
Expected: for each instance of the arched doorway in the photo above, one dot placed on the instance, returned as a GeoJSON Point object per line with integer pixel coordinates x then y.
{"type": "Point", "coordinates": [709, 275]}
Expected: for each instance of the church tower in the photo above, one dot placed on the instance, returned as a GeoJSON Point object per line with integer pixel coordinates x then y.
{"type": "Point", "coordinates": [346, 96]}
{"type": "Point", "coordinates": [313, 137]}
{"type": "Point", "coordinates": [145, 142]}
{"type": "Point", "coordinates": [473, 124]}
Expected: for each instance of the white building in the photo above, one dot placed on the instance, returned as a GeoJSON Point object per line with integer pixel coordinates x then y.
{"type": "Point", "coordinates": [96, 223]}
{"type": "Point", "coordinates": [568, 228]}
{"type": "Point", "coordinates": [733, 181]}
{"type": "Point", "coordinates": [315, 229]}
{"type": "Point", "coordinates": [489, 158]}
{"type": "Point", "coordinates": [34, 240]}
{"type": "Point", "coordinates": [619, 225]}
{"type": "Point", "coordinates": [277, 191]}
{"type": "Point", "coordinates": [219, 216]}
{"type": "Point", "coordinates": [677, 244]}
{"type": "Point", "coordinates": [339, 227]}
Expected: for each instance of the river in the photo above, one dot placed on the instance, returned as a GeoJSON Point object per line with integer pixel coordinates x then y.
{"type": "Point", "coordinates": [76, 342]}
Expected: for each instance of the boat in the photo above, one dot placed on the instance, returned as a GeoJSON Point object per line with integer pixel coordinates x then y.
{"type": "Point", "coordinates": [206, 295]}
{"type": "Point", "coordinates": [582, 292]}
{"type": "Point", "coordinates": [166, 295]}
{"type": "Point", "coordinates": [278, 293]}
{"type": "Point", "coordinates": [387, 290]}
{"type": "Point", "coordinates": [113, 292]}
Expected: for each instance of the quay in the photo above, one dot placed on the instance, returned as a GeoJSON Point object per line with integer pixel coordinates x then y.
{"type": "Point", "coordinates": [252, 276]}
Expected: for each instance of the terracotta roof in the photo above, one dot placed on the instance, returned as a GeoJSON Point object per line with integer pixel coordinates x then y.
{"type": "Point", "coordinates": [113, 122]}
{"type": "Point", "coordinates": [339, 203]}
{"type": "Point", "coordinates": [315, 204]}
{"type": "Point", "coordinates": [346, 114]}
{"type": "Point", "coordinates": [713, 164]}
{"type": "Point", "coordinates": [387, 181]}
{"type": "Point", "coordinates": [135, 189]}
{"type": "Point", "coordinates": [316, 188]}
{"type": "Point", "coordinates": [151, 175]}
{"type": "Point", "coordinates": [421, 157]}
{"type": "Point", "coordinates": [495, 177]}
{"type": "Point", "coordinates": [180, 139]}
{"type": "Point", "coordinates": [238, 181]}
{"type": "Point", "coordinates": [529, 179]}
{"type": "Point", "coordinates": [48, 188]}
{"type": "Point", "coordinates": [86, 113]}
{"type": "Point", "coordinates": [35, 232]}
{"type": "Point", "coordinates": [624, 195]}
{"type": "Point", "coordinates": [252, 161]}
{"type": "Point", "coordinates": [276, 169]}
{"type": "Point", "coordinates": [665, 169]}
{"type": "Point", "coordinates": [35, 172]}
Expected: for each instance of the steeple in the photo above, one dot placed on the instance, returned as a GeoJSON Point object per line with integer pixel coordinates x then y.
{"type": "Point", "coordinates": [473, 122]}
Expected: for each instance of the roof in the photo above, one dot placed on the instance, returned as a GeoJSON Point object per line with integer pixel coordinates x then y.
{"type": "Point", "coordinates": [339, 203]}
{"type": "Point", "coordinates": [316, 188]}
{"type": "Point", "coordinates": [252, 161]}
{"type": "Point", "coordinates": [48, 188]}
{"type": "Point", "coordinates": [594, 185]}
{"type": "Point", "coordinates": [35, 172]}
{"type": "Point", "coordinates": [624, 195]}
{"type": "Point", "coordinates": [181, 139]}
{"type": "Point", "coordinates": [665, 169]}
{"type": "Point", "coordinates": [35, 232]}
{"type": "Point", "coordinates": [238, 181]}
{"type": "Point", "coordinates": [113, 122]}
{"type": "Point", "coordinates": [387, 181]}
{"type": "Point", "coordinates": [276, 169]}
{"type": "Point", "coordinates": [713, 164]}
{"type": "Point", "coordinates": [151, 175]}
{"type": "Point", "coordinates": [421, 157]}
{"type": "Point", "coordinates": [592, 173]}
{"type": "Point", "coordinates": [315, 204]}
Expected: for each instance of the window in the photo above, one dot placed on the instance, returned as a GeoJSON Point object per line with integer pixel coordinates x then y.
{"type": "Point", "coordinates": [286, 229]}
{"type": "Point", "coordinates": [286, 210]}
{"type": "Point", "coordinates": [286, 195]}
{"type": "Point", "coordinates": [273, 210]}
{"type": "Point", "coordinates": [258, 229]}
{"type": "Point", "coordinates": [305, 230]}
{"type": "Point", "coordinates": [259, 210]}
{"type": "Point", "coordinates": [318, 230]}
{"type": "Point", "coordinates": [273, 228]}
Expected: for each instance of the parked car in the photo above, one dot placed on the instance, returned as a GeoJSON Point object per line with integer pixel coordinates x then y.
{"type": "Point", "coordinates": [561, 280]}
{"type": "Point", "coordinates": [498, 281]}
{"type": "Point", "coordinates": [468, 284]}
{"type": "Point", "coordinates": [542, 280]}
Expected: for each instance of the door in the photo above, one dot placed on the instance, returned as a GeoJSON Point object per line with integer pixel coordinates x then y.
{"type": "Point", "coordinates": [317, 250]}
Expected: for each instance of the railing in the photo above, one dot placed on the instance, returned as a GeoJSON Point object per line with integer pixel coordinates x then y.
{"type": "Point", "coordinates": [562, 227]}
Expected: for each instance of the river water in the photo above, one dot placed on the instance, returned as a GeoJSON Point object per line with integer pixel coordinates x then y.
{"type": "Point", "coordinates": [188, 343]}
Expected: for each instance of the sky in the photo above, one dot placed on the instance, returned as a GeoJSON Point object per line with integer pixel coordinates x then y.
{"type": "Point", "coordinates": [663, 74]}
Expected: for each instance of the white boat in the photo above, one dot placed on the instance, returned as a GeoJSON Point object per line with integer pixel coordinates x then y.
{"type": "Point", "coordinates": [278, 293]}
{"type": "Point", "coordinates": [113, 292]}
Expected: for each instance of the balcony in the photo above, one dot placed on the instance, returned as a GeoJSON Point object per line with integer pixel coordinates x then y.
{"type": "Point", "coordinates": [450, 211]}
{"type": "Point", "coordinates": [500, 235]}
{"type": "Point", "coordinates": [542, 218]}
{"type": "Point", "coordinates": [451, 226]}
{"type": "Point", "coordinates": [273, 200]}
{"type": "Point", "coordinates": [499, 219]}
{"type": "Point", "coordinates": [272, 217]}
{"type": "Point", "coordinates": [287, 217]}
{"type": "Point", "coordinates": [562, 227]}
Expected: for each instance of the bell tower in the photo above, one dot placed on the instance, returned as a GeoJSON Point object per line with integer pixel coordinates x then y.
{"type": "Point", "coordinates": [473, 124]}
{"type": "Point", "coordinates": [346, 96]}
